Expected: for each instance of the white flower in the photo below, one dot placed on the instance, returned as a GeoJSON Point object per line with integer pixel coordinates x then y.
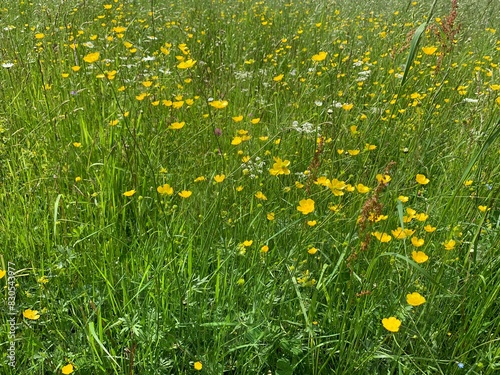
{"type": "Point", "coordinates": [8, 65]}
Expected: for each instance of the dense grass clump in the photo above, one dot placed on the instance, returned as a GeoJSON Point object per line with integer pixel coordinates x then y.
{"type": "Point", "coordinates": [238, 187]}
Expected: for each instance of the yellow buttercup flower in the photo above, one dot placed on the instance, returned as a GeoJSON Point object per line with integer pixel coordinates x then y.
{"type": "Point", "coordinates": [91, 57]}
{"type": "Point", "coordinates": [415, 299]}
{"type": "Point", "coordinates": [129, 193]}
{"type": "Point", "coordinates": [391, 324]}
{"type": "Point", "coordinates": [421, 179]}
{"type": "Point", "coordinates": [306, 206]}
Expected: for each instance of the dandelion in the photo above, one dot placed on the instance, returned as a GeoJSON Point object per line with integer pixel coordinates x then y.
{"type": "Point", "coordinates": [185, 194]}
{"type": "Point", "coordinates": [218, 104]}
{"type": "Point", "coordinates": [129, 193]}
{"type": "Point", "coordinates": [419, 256]}
{"type": "Point", "coordinates": [421, 179]}
{"type": "Point", "coordinates": [391, 324]}
{"type": "Point", "coordinates": [198, 365]}
{"type": "Point", "coordinates": [449, 245]}
{"type": "Point", "coordinates": [219, 178]}
{"type": "Point", "coordinates": [306, 206]}
{"type": "Point", "coordinates": [165, 189]}
{"type": "Point", "coordinates": [31, 314]}
{"type": "Point", "coordinates": [91, 57]}
{"type": "Point", "coordinates": [68, 369]}
{"type": "Point", "coordinates": [415, 299]}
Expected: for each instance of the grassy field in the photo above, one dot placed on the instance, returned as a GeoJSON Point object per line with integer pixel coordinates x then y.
{"type": "Point", "coordinates": [250, 187]}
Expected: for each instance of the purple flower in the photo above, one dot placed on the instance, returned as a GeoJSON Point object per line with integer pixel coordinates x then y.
{"type": "Point", "coordinates": [218, 132]}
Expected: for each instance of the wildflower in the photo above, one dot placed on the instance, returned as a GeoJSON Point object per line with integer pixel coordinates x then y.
{"type": "Point", "coordinates": [77, 144]}
{"type": "Point", "coordinates": [429, 228]}
{"type": "Point", "coordinates": [255, 121]}
{"type": "Point", "coordinates": [353, 152]}
{"type": "Point", "coordinates": [312, 223]}
{"type": "Point", "coordinates": [2, 273]}
{"type": "Point", "coordinates": [449, 245]}
{"type": "Point", "coordinates": [219, 104]}
{"type": "Point", "coordinates": [91, 57]}
{"type": "Point", "coordinates": [383, 178]}
{"type": "Point", "coordinates": [68, 369]}
{"type": "Point", "coordinates": [186, 64]}
{"type": "Point", "coordinates": [236, 140]}
{"type": "Point", "coordinates": [237, 118]}
{"type": "Point", "coordinates": [31, 314]}
{"type": "Point", "coordinates": [39, 35]}
{"type": "Point", "coordinates": [129, 193]}
{"type": "Point", "coordinates": [197, 365]}
{"type": "Point", "coordinates": [391, 324]}
{"type": "Point", "coordinates": [270, 216]}
{"type": "Point", "coordinates": [264, 249]}
{"type": "Point", "coordinates": [306, 206]}
{"type": "Point", "coordinates": [240, 281]}
{"type": "Point", "coordinates": [362, 188]}
{"type": "Point", "coordinates": [219, 178]}
{"type": "Point", "coordinates": [166, 189]}
{"type": "Point", "coordinates": [319, 57]}
{"type": "Point", "coordinates": [176, 125]}
{"type": "Point", "coordinates": [199, 179]}
{"type": "Point", "coordinates": [421, 217]}
{"type": "Point", "coordinates": [399, 233]}
{"type": "Point", "coordinates": [415, 299]}
{"type": "Point", "coordinates": [185, 194]}
{"type": "Point", "coordinates": [429, 50]}
{"type": "Point", "coordinates": [312, 251]}
{"type": "Point", "coordinates": [247, 243]}
{"type": "Point", "coordinates": [347, 107]}
{"type": "Point", "coordinates": [382, 237]}
{"type": "Point", "coordinates": [419, 256]}
{"type": "Point", "coordinates": [280, 167]}
{"type": "Point", "coordinates": [421, 179]}
{"type": "Point", "coordinates": [483, 208]}
{"type": "Point", "coordinates": [403, 198]}
{"type": "Point", "coordinates": [278, 78]}
{"type": "Point", "coordinates": [260, 195]}
{"type": "Point", "coordinates": [417, 242]}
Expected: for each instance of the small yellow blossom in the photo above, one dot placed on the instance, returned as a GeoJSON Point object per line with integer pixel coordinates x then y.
{"type": "Point", "coordinates": [417, 242]}
{"type": "Point", "coordinates": [429, 50]}
{"type": "Point", "coordinates": [312, 250]}
{"type": "Point", "coordinates": [177, 125]}
{"type": "Point", "coordinates": [219, 178]}
{"type": "Point", "coordinates": [68, 369]}
{"type": "Point", "coordinates": [185, 194]}
{"type": "Point", "coordinates": [186, 64]}
{"type": "Point", "coordinates": [270, 216]}
{"type": "Point", "coordinates": [219, 104]}
{"type": "Point", "coordinates": [198, 366]}
{"type": "Point", "coordinates": [264, 249]}
{"type": "Point", "coordinates": [91, 57]}
{"type": "Point", "coordinates": [319, 56]}
{"type": "Point", "coordinates": [415, 299]}
{"type": "Point", "coordinates": [165, 189]}
{"type": "Point", "coordinates": [237, 118]}
{"type": "Point", "coordinates": [419, 256]}
{"type": "Point", "coordinates": [129, 193]}
{"type": "Point", "coordinates": [429, 228]}
{"type": "Point", "coordinates": [260, 195]}
{"type": "Point", "coordinates": [306, 206]}
{"type": "Point", "coordinates": [255, 121]}
{"type": "Point", "coordinates": [31, 314]}
{"type": "Point", "coordinates": [382, 237]}
{"type": "Point", "coordinates": [391, 324]}
{"type": "Point", "coordinates": [421, 179]}
{"type": "Point", "coordinates": [449, 245]}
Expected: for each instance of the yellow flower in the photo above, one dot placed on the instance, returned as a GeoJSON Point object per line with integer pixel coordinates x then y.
{"type": "Point", "coordinates": [186, 64]}
{"type": "Point", "coordinates": [415, 299]}
{"type": "Point", "coordinates": [362, 188]}
{"type": "Point", "coordinates": [2, 273]}
{"type": "Point", "coordinates": [421, 217]}
{"type": "Point", "coordinates": [31, 314]}
{"type": "Point", "coordinates": [429, 228]}
{"type": "Point", "coordinates": [483, 208]}
{"type": "Point", "coordinates": [312, 250]}
{"type": "Point", "coordinates": [417, 242]}
{"type": "Point", "coordinates": [185, 194]}
{"type": "Point", "coordinates": [247, 243]}
{"type": "Point", "coordinates": [177, 125]}
{"type": "Point", "coordinates": [270, 216]}
{"type": "Point", "coordinates": [280, 167]}
{"type": "Point", "coordinates": [39, 35]}
{"type": "Point", "coordinates": [383, 178]}
{"type": "Point", "coordinates": [306, 206]}
{"type": "Point", "coordinates": [468, 183]}
{"type": "Point", "coordinates": [260, 195]}
{"type": "Point", "coordinates": [237, 118]}
{"type": "Point", "coordinates": [219, 178]}
{"type": "Point", "coordinates": [255, 121]}
{"type": "Point", "coordinates": [91, 57]}
{"type": "Point", "coordinates": [449, 245]}
{"type": "Point", "coordinates": [78, 179]}
{"type": "Point", "coordinates": [429, 50]}
{"type": "Point", "coordinates": [421, 179]}
{"type": "Point", "coordinates": [347, 107]}
{"type": "Point", "coordinates": [419, 256]}
{"type": "Point", "coordinates": [264, 249]}
{"type": "Point", "coordinates": [403, 198]}
{"type": "Point", "coordinates": [219, 104]}
{"type": "Point", "coordinates": [198, 366]}
{"type": "Point", "coordinates": [312, 223]}
{"type": "Point", "coordinates": [353, 152]}
{"type": "Point", "coordinates": [382, 237]}
{"type": "Point", "coordinates": [498, 100]}
{"type": "Point", "coordinates": [320, 56]}
{"type": "Point", "coordinates": [68, 369]}
{"type": "Point", "coordinates": [391, 324]}
{"type": "Point", "coordinates": [77, 144]}
{"type": "Point", "coordinates": [199, 179]}
{"type": "Point", "coordinates": [278, 78]}
{"type": "Point", "coordinates": [236, 141]}
{"type": "Point", "coordinates": [166, 189]}
{"type": "Point", "coordinates": [129, 193]}
{"type": "Point", "coordinates": [75, 68]}
{"type": "Point", "coordinates": [399, 233]}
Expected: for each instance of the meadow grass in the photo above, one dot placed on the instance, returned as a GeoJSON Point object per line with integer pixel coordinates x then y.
{"type": "Point", "coordinates": [238, 187]}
